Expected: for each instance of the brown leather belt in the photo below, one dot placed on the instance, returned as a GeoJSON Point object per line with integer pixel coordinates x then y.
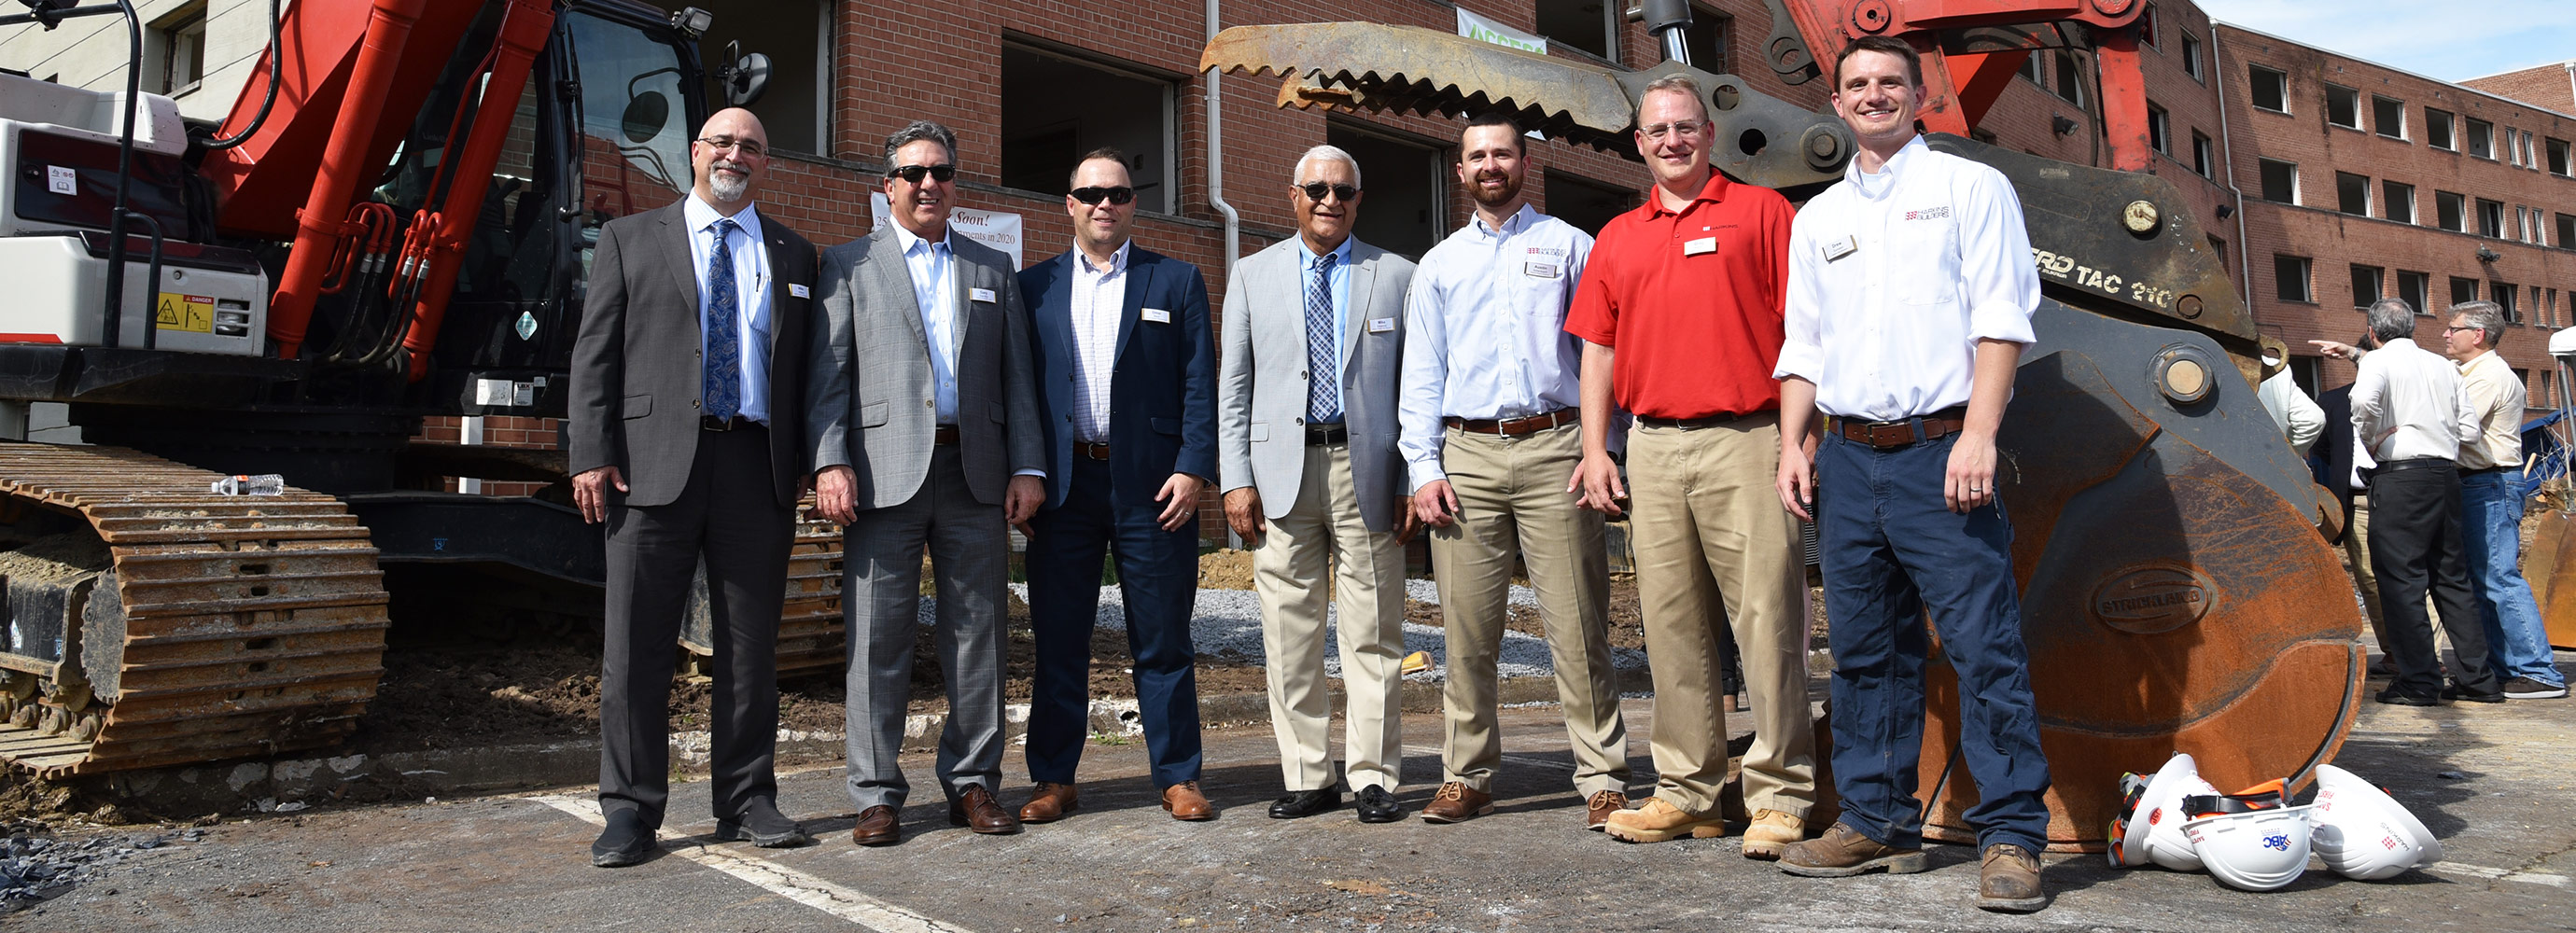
{"type": "Point", "coordinates": [1517, 426]}
{"type": "Point", "coordinates": [945, 436]}
{"type": "Point", "coordinates": [736, 423]}
{"type": "Point", "coordinates": [1886, 434]}
{"type": "Point", "coordinates": [1090, 451]}
{"type": "Point", "coordinates": [1327, 434]}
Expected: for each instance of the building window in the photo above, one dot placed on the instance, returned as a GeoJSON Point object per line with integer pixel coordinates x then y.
{"type": "Point", "coordinates": [2437, 129]}
{"type": "Point", "coordinates": [2271, 88]}
{"type": "Point", "coordinates": [2352, 194]}
{"type": "Point", "coordinates": [796, 35]}
{"type": "Point", "coordinates": [2549, 309]}
{"type": "Point", "coordinates": [2031, 68]}
{"type": "Point", "coordinates": [181, 49]}
{"type": "Point", "coordinates": [1407, 202]}
{"type": "Point", "coordinates": [2388, 116]}
{"type": "Point", "coordinates": [2530, 156]}
{"type": "Point", "coordinates": [2567, 231]}
{"type": "Point", "coordinates": [2463, 290]}
{"type": "Point", "coordinates": [2505, 294]}
{"type": "Point", "coordinates": [2290, 274]}
{"type": "Point", "coordinates": [2070, 79]}
{"type": "Point", "coordinates": [2147, 27]}
{"type": "Point", "coordinates": [2559, 158]}
{"type": "Point", "coordinates": [2397, 201]}
{"type": "Point", "coordinates": [2280, 181]}
{"type": "Point", "coordinates": [2415, 288]}
{"type": "Point", "coordinates": [2365, 284]}
{"type": "Point", "coordinates": [2481, 138]}
{"type": "Point", "coordinates": [1056, 107]}
{"type": "Point", "coordinates": [2343, 107]}
{"type": "Point", "coordinates": [2202, 157]}
{"type": "Point", "coordinates": [2190, 56]}
{"type": "Point", "coordinates": [2491, 218]}
{"type": "Point", "coordinates": [1587, 204]}
{"type": "Point", "coordinates": [2159, 129]}
{"type": "Point", "coordinates": [1711, 38]}
{"type": "Point", "coordinates": [1589, 25]}
{"type": "Point", "coordinates": [2451, 211]}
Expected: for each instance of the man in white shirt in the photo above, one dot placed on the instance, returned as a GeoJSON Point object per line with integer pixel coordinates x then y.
{"type": "Point", "coordinates": [1910, 296]}
{"type": "Point", "coordinates": [2301, 421]}
{"type": "Point", "coordinates": [2406, 404]}
{"type": "Point", "coordinates": [1490, 415]}
{"type": "Point", "coordinates": [2491, 505]}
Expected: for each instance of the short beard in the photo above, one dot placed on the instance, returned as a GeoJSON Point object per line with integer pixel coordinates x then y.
{"type": "Point", "coordinates": [730, 191]}
{"type": "Point", "coordinates": [1512, 190]}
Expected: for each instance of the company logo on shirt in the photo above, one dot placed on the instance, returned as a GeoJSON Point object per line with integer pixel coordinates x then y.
{"type": "Point", "coordinates": [1929, 213]}
{"type": "Point", "coordinates": [1547, 251]}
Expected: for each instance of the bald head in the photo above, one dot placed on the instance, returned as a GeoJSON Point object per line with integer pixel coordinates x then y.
{"type": "Point", "coordinates": [729, 156]}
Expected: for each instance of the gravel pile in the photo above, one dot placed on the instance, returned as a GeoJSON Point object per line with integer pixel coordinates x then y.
{"type": "Point", "coordinates": [35, 868]}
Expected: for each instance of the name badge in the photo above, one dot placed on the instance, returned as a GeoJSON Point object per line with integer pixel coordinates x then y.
{"type": "Point", "coordinates": [1706, 244]}
{"type": "Point", "coordinates": [1380, 325]}
{"type": "Point", "coordinates": [981, 294]}
{"type": "Point", "coordinates": [1158, 315]}
{"type": "Point", "coordinates": [799, 291]}
{"type": "Point", "coordinates": [1539, 270]}
{"type": "Point", "coordinates": [1840, 248]}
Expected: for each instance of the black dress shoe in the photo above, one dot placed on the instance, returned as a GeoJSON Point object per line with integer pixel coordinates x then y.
{"type": "Point", "coordinates": [1378, 806]}
{"type": "Point", "coordinates": [764, 826]}
{"type": "Point", "coordinates": [1303, 803]}
{"type": "Point", "coordinates": [625, 842]}
{"type": "Point", "coordinates": [2394, 697]}
{"type": "Point", "coordinates": [2455, 692]}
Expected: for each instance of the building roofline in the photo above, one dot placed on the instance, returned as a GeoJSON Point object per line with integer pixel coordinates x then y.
{"type": "Point", "coordinates": [2462, 88]}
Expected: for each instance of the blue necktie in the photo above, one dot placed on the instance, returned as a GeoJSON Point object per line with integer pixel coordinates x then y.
{"type": "Point", "coordinates": [724, 343]}
{"type": "Point", "coordinates": [1324, 388]}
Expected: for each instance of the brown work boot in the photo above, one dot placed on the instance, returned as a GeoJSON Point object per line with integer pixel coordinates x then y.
{"type": "Point", "coordinates": [977, 810]}
{"type": "Point", "coordinates": [1770, 832]}
{"type": "Point", "coordinates": [1658, 821]}
{"type": "Point", "coordinates": [2008, 880]}
{"type": "Point", "coordinates": [1597, 810]}
{"type": "Point", "coordinates": [1842, 851]}
{"type": "Point", "coordinates": [1184, 802]}
{"type": "Point", "coordinates": [1049, 802]}
{"type": "Point", "coordinates": [878, 826]}
{"type": "Point", "coordinates": [1457, 803]}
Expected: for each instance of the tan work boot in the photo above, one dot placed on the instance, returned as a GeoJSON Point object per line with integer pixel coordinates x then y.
{"type": "Point", "coordinates": [1658, 821]}
{"type": "Point", "coordinates": [1597, 810]}
{"type": "Point", "coordinates": [1770, 832]}
{"type": "Point", "coordinates": [1457, 803]}
{"type": "Point", "coordinates": [2008, 880]}
{"type": "Point", "coordinates": [1842, 851]}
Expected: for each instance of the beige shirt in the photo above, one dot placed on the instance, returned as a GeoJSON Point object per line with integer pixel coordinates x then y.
{"type": "Point", "coordinates": [2491, 399]}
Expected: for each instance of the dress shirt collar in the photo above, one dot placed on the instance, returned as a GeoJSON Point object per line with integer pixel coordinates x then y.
{"type": "Point", "coordinates": [1519, 221]}
{"type": "Point", "coordinates": [1713, 192]}
{"type": "Point", "coordinates": [2475, 360]}
{"type": "Point", "coordinates": [700, 215]}
{"type": "Point", "coordinates": [1117, 261]}
{"type": "Point", "coordinates": [1306, 257]}
{"type": "Point", "coordinates": [904, 237]}
{"type": "Point", "coordinates": [1876, 185]}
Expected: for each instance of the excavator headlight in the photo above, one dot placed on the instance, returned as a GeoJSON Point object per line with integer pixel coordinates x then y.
{"type": "Point", "coordinates": [693, 22]}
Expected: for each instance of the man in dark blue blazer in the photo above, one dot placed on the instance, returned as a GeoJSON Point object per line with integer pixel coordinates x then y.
{"type": "Point", "coordinates": [1127, 371]}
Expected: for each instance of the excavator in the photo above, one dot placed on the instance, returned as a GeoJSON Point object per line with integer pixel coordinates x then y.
{"type": "Point", "coordinates": [392, 223]}
{"type": "Point", "coordinates": [2177, 590]}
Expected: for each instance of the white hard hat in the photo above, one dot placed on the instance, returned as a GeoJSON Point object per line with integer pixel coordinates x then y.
{"type": "Point", "coordinates": [2365, 835]}
{"type": "Point", "coordinates": [2259, 850]}
{"type": "Point", "coordinates": [2154, 833]}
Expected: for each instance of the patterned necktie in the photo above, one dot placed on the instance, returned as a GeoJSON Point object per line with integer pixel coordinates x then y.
{"type": "Point", "coordinates": [724, 345]}
{"type": "Point", "coordinates": [1324, 387]}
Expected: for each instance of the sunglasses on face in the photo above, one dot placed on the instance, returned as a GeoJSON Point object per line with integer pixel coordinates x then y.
{"type": "Point", "coordinates": [911, 174]}
{"type": "Point", "coordinates": [1118, 195]}
{"type": "Point", "coordinates": [1316, 190]}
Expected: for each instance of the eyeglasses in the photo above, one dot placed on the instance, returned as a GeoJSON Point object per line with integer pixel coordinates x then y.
{"type": "Point", "coordinates": [911, 174]}
{"type": "Point", "coordinates": [1316, 190]}
{"type": "Point", "coordinates": [1688, 128]}
{"type": "Point", "coordinates": [1118, 195]}
{"type": "Point", "coordinates": [748, 147]}
{"type": "Point", "coordinates": [2447, 331]}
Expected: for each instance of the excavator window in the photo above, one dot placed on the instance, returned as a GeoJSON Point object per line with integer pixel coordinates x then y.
{"type": "Point", "coordinates": [634, 126]}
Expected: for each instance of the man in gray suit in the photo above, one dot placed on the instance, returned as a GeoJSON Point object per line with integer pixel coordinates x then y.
{"type": "Point", "coordinates": [686, 439]}
{"type": "Point", "coordinates": [923, 412]}
{"type": "Point", "coordinates": [1306, 432]}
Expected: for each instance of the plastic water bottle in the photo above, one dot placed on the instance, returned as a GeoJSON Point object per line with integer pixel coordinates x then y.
{"type": "Point", "coordinates": [265, 484]}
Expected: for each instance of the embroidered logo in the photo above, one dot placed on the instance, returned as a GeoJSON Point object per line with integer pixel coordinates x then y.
{"type": "Point", "coordinates": [1929, 213]}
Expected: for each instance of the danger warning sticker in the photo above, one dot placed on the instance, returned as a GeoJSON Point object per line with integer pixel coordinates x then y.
{"type": "Point", "coordinates": [195, 313]}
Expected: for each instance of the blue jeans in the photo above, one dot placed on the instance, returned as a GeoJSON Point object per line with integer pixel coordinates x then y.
{"type": "Point", "coordinates": [2491, 524]}
{"type": "Point", "coordinates": [1891, 551]}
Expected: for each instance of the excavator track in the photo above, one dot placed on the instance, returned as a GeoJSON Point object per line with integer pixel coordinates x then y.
{"type": "Point", "coordinates": [810, 635]}
{"type": "Point", "coordinates": [250, 625]}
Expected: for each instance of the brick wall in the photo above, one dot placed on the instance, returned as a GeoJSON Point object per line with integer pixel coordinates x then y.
{"type": "Point", "coordinates": [2549, 87]}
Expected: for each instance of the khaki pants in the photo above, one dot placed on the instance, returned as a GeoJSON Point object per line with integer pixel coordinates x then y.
{"type": "Point", "coordinates": [1368, 585]}
{"type": "Point", "coordinates": [1709, 527]}
{"type": "Point", "coordinates": [1512, 504]}
{"type": "Point", "coordinates": [2356, 562]}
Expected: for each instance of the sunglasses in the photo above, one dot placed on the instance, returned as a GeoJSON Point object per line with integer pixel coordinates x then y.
{"type": "Point", "coordinates": [1118, 195]}
{"type": "Point", "coordinates": [1316, 190]}
{"type": "Point", "coordinates": [911, 174]}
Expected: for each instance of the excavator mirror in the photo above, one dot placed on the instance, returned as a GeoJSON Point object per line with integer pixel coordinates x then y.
{"type": "Point", "coordinates": [646, 114]}
{"type": "Point", "coordinates": [743, 77]}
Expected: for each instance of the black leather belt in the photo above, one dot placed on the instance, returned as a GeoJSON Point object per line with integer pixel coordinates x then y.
{"type": "Point", "coordinates": [1515, 427]}
{"type": "Point", "coordinates": [735, 423]}
{"type": "Point", "coordinates": [1090, 451]}
{"type": "Point", "coordinates": [1327, 434]}
{"type": "Point", "coordinates": [1899, 433]}
{"type": "Point", "coordinates": [2413, 463]}
{"type": "Point", "coordinates": [944, 436]}
{"type": "Point", "coordinates": [1687, 424]}
{"type": "Point", "coordinates": [2482, 471]}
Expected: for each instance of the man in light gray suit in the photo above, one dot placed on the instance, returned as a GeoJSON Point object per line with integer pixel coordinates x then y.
{"type": "Point", "coordinates": [1306, 432]}
{"type": "Point", "coordinates": [923, 411]}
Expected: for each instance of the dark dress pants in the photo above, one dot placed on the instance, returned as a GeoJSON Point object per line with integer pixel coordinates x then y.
{"type": "Point", "coordinates": [1158, 579]}
{"type": "Point", "coordinates": [2416, 545]}
{"type": "Point", "coordinates": [729, 515]}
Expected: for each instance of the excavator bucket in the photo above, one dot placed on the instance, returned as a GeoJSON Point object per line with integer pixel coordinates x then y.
{"type": "Point", "coordinates": [2549, 562]}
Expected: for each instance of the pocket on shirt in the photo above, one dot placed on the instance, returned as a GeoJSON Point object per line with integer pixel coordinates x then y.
{"type": "Point", "coordinates": [1917, 241]}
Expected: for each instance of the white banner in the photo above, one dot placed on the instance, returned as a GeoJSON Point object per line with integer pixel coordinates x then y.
{"type": "Point", "coordinates": [1485, 30]}
{"type": "Point", "coordinates": [992, 228]}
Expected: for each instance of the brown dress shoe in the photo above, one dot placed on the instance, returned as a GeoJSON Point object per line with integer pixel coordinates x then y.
{"type": "Point", "coordinates": [977, 810]}
{"type": "Point", "coordinates": [2008, 881]}
{"type": "Point", "coordinates": [1184, 802]}
{"type": "Point", "coordinates": [1597, 810]}
{"type": "Point", "coordinates": [1842, 851]}
{"type": "Point", "coordinates": [878, 826]}
{"type": "Point", "coordinates": [1050, 803]}
{"type": "Point", "coordinates": [1457, 803]}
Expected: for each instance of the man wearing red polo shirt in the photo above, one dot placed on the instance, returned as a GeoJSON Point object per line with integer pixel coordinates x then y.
{"type": "Point", "coordinates": [1680, 311]}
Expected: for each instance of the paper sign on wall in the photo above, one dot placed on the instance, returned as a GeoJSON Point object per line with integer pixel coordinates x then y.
{"type": "Point", "coordinates": [992, 228]}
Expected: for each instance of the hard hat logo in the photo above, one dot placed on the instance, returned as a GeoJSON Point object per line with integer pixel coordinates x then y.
{"type": "Point", "coordinates": [2277, 841]}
